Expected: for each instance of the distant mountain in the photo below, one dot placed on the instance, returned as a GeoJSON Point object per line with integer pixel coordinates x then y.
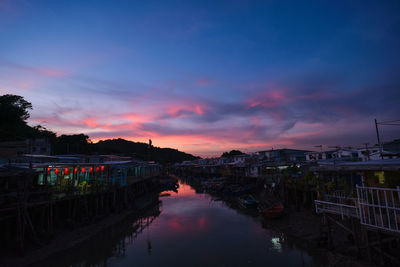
{"type": "Point", "coordinates": [140, 150]}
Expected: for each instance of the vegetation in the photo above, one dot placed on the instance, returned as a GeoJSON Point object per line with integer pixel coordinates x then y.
{"type": "Point", "coordinates": [72, 144]}
{"type": "Point", "coordinates": [14, 111]}
{"type": "Point", "coordinates": [232, 153]}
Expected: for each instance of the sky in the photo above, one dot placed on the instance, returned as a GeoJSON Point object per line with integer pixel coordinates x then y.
{"type": "Point", "coordinates": [207, 76]}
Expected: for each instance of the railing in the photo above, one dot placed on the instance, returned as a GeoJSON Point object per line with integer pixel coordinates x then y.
{"type": "Point", "coordinates": [344, 210]}
{"type": "Point", "coordinates": [379, 207]}
{"type": "Point", "coordinates": [375, 207]}
{"type": "Point", "coordinates": [340, 198]}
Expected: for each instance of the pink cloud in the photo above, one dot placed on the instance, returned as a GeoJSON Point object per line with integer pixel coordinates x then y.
{"type": "Point", "coordinates": [268, 99]}
{"type": "Point", "coordinates": [199, 110]}
{"type": "Point", "coordinates": [183, 109]}
{"type": "Point", "coordinates": [91, 122]}
{"type": "Point", "coordinates": [49, 72]}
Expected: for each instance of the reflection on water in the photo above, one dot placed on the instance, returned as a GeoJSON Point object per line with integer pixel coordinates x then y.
{"type": "Point", "coordinates": [276, 244]}
{"type": "Point", "coordinates": [190, 229]}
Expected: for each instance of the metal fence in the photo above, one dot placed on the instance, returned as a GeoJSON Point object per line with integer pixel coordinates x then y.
{"type": "Point", "coordinates": [379, 207]}
{"type": "Point", "coordinates": [341, 209]}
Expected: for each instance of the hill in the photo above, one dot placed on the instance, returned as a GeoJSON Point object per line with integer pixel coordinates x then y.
{"type": "Point", "coordinates": [14, 111]}
{"type": "Point", "coordinates": [140, 150]}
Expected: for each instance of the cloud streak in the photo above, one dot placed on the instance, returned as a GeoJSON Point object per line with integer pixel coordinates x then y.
{"type": "Point", "coordinates": [276, 116]}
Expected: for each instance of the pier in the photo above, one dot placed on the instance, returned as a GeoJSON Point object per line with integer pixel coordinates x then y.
{"type": "Point", "coordinates": [43, 199]}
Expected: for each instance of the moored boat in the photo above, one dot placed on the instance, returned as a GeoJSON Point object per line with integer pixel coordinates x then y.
{"type": "Point", "coordinates": [273, 212]}
{"type": "Point", "coordinates": [248, 202]}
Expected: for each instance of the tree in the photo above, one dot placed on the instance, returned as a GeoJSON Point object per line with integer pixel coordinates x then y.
{"type": "Point", "coordinates": [74, 143]}
{"type": "Point", "coordinates": [39, 131]}
{"type": "Point", "coordinates": [14, 108]}
{"type": "Point", "coordinates": [14, 111]}
{"type": "Point", "coordinates": [232, 153]}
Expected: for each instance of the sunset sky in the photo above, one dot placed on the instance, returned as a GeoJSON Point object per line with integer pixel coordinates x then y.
{"type": "Point", "coordinates": [206, 76]}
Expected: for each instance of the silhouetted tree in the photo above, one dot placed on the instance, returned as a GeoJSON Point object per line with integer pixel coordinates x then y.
{"type": "Point", "coordinates": [14, 111]}
{"type": "Point", "coordinates": [73, 144]}
{"type": "Point", "coordinates": [232, 153]}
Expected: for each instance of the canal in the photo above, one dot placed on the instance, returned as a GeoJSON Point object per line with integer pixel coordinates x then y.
{"type": "Point", "coordinates": [187, 229]}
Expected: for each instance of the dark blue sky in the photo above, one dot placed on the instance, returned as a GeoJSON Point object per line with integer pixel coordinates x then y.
{"type": "Point", "coordinates": [207, 76]}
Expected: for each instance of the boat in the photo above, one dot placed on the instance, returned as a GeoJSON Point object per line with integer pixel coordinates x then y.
{"type": "Point", "coordinates": [248, 202]}
{"type": "Point", "coordinates": [273, 212]}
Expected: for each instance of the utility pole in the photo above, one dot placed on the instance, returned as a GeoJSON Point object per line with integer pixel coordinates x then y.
{"type": "Point", "coordinates": [379, 139]}
{"type": "Point", "coordinates": [367, 151]}
{"type": "Point", "coordinates": [149, 150]}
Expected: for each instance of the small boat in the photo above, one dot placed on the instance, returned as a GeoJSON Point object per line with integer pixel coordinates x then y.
{"type": "Point", "coordinates": [248, 202]}
{"type": "Point", "coordinates": [273, 212]}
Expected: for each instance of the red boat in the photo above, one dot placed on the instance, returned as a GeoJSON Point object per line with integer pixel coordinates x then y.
{"type": "Point", "coordinates": [273, 212]}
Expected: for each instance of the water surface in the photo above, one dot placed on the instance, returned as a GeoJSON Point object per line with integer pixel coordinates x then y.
{"type": "Point", "coordinates": [191, 229]}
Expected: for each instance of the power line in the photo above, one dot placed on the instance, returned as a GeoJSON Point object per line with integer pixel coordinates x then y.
{"type": "Point", "coordinates": [395, 122]}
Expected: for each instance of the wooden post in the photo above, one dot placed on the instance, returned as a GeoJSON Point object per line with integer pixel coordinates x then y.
{"type": "Point", "coordinates": [368, 245]}
{"type": "Point", "coordinates": [382, 262]}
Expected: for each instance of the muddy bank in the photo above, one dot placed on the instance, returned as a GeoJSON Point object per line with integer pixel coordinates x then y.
{"type": "Point", "coordinates": [68, 239]}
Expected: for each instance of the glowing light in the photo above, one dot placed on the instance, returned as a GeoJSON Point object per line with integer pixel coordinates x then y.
{"type": "Point", "coordinates": [83, 170]}
{"type": "Point", "coordinates": [97, 169]}
{"type": "Point", "coordinates": [91, 169]}
{"type": "Point", "coordinates": [56, 171]}
{"type": "Point", "coordinates": [102, 168]}
{"type": "Point", "coordinates": [66, 171]}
